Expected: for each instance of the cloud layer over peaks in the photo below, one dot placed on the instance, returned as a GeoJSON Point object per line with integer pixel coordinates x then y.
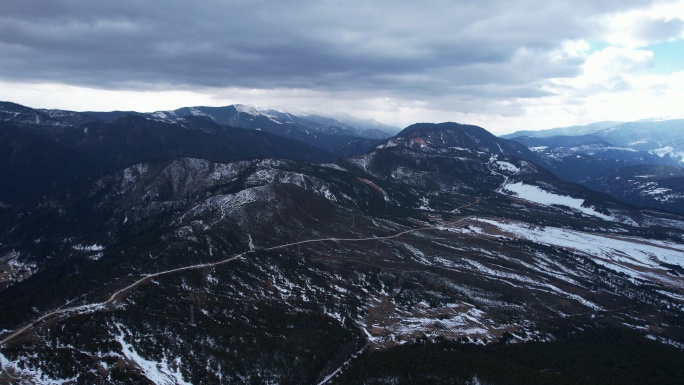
{"type": "Point", "coordinates": [470, 57]}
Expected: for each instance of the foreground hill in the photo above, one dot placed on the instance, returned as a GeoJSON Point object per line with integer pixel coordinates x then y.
{"type": "Point", "coordinates": [195, 271]}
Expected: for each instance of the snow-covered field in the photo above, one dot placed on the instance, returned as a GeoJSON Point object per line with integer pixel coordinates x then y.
{"type": "Point", "coordinates": [538, 195]}
{"type": "Point", "coordinates": [636, 257]}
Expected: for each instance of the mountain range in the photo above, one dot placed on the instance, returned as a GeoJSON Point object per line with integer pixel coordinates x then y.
{"type": "Point", "coordinates": [192, 252]}
{"type": "Point", "coordinates": [604, 156]}
{"type": "Point", "coordinates": [324, 132]}
{"type": "Point", "coordinates": [44, 149]}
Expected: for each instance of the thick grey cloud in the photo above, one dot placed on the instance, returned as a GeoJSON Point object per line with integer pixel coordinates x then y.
{"type": "Point", "coordinates": [489, 48]}
{"type": "Point", "coordinates": [659, 30]}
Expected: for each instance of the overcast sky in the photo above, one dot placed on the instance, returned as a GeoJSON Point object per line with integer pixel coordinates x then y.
{"type": "Point", "coordinates": [501, 64]}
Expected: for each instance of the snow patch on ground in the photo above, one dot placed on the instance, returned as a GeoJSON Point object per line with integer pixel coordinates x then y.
{"type": "Point", "coordinates": [196, 112]}
{"type": "Point", "coordinates": [425, 204]}
{"type": "Point", "coordinates": [537, 195]}
{"type": "Point", "coordinates": [453, 320]}
{"type": "Point", "coordinates": [21, 371]}
{"type": "Point", "coordinates": [538, 148]}
{"type": "Point", "coordinates": [634, 256]}
{"type": "Point", "coordinates": [509, 167]}
{"type": "Point", "coordinates": [93, 247]}
{"type": "Point", "coordinates": [469, 229]}
{"type": "Point", "coordinates": [670, 152]}
{"type": "Point", "coordinates": [160, 373]}
{"type": "Point", "coordinates": [653, 191]}
{"type": "Point", "coordinates": [661, 152]}
{"type": "Point", "coordinates": [388, 144]}
{"type": "Point", "coordinates": [333, 165]}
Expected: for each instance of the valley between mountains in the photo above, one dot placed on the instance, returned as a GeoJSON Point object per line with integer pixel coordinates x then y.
{"type": "Point", "coordinates": [216, 264]}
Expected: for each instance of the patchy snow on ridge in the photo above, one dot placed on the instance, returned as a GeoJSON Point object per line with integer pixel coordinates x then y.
{"type": "Point", "coordinates": [196, 112]}
{"type": "Point", "coordinates": [247, 109]}
{"type": "Point", "coordinates": [670, 152]}
{"type": "Point", "coordinates": [160, 373]}
{"type": "Point", "coordinates": [363, 161]}
{"type": "Point", "coordinates": [388, 144]}
{"type": "Point", "coordinates": [93, 247]}
{"type": "Point", "coordinates": [636, 257]}
{"type": "Point", "coordinates": [661, 152]}
{"type": "Point", "coordinates": [538, 148]}
{"type": "Point", "coordinates": [160, 115]}
{"type": "Point", "coordinates": [24, 370]}
{"type": "Point", "coordinates": [333, 166]}
{"type": "Point", "coordinates": [506, 166]}
{"type": "Point", "coordinates": [537, 195]}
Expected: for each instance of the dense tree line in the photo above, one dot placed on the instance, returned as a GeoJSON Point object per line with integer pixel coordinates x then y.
{"type": "Point", "coordinates": [602, 356]}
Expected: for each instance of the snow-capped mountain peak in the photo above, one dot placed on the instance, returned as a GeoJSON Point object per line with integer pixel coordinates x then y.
{"type": "Point", "coordinates": [247, 109]}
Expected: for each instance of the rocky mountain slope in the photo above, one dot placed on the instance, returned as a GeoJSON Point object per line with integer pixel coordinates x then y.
{"type": "Point", "coordinates": [41, 151]}
{"type": "Point", "coordinates": [48, 149]}
{"type": "Point", "coordinates": [189, 270]}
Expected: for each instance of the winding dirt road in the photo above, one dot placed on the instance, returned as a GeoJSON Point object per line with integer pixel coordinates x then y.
{"type": "Point", "coordinates": [104, 305]}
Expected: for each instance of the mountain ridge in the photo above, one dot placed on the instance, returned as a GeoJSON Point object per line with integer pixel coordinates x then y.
{"type": "Point", "coordinates": [601, 156]}
{"type": "Point", "coordinates": [327, 133]}
{"type": "Point", "coordinates": [39, 158]}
